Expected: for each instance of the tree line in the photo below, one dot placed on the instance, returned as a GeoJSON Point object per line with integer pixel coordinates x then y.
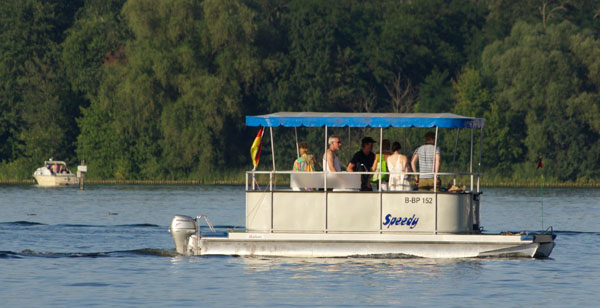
{"type": "Point", "coordinates": [149, 89]}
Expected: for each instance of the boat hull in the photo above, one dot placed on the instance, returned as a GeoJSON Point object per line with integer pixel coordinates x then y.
{"type": "Point", "coordinates": [372, 245]}
{"type": "Point", "coordinates": [56, 180]}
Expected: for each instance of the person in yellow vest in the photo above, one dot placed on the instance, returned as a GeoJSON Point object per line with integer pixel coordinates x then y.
{"type": "Point", "coordinates": [381, 164]}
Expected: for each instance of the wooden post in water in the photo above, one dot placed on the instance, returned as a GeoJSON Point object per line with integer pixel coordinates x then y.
{"type": "Point", "coordinates": [81, 171]}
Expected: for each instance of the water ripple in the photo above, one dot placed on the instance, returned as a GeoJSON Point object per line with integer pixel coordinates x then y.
{"type": "Point", "coordinates": [21, 223]}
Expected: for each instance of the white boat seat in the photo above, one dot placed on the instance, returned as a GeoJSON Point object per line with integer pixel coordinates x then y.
{"type": "Point", "coordinates": [339, 181]}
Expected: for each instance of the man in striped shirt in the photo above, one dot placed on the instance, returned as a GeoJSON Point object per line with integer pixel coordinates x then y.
{"type": "Point", "coordinates": [425, 156]}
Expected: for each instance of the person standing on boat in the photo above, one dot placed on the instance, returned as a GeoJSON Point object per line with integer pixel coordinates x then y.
{"type": "Point", "coordinates": [331, 162]}
{"type": "Point", "coordinates": [363, 161]}
{"type": "Point", "coordinates": [426, 155]}
{"type": "Point", "coordinates": [306, 162]}
{"type": "Point", "coordinates": [381, 165]}
{"type": "Point", "coordinates": [54, 169]}
{"type": "Point", "coordinates": [397, 164]}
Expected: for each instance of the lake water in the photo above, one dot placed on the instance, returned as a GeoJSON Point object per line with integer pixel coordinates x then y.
{"type": "Point", "coordinates": [108, 246]}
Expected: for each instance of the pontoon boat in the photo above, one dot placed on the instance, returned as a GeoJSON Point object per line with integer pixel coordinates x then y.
{"type": "Point", "coordinates": [335, 219]}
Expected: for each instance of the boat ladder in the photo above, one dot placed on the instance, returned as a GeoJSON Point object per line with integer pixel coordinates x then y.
{"type": "Point", "coordinates": [198, 222]}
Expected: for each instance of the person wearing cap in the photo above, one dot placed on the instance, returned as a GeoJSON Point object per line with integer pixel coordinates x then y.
{"type": "Point", "coordinates": [363, 161]}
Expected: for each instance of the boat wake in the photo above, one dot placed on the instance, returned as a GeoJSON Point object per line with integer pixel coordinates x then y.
{"type": "Point", "coordinates": [576, 232]}
{"type": "Point", "coordinates": [564, 232]}
{"type": "Point", "coordinates": [28, 253]}
{"type": "Point", "coordinates": [24, 223]}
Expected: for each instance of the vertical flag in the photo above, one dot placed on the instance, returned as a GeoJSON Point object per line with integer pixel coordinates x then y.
{"type": "Point", "coordinates": [256, 147]}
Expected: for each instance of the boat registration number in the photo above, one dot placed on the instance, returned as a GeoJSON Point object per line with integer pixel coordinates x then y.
{"type": "Point", "coordinates": [415, 200]}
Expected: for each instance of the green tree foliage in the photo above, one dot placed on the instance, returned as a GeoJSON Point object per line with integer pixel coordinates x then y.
{"type": "Point", "coordinates": [38, 110]}
{"type": "Point", "coordinates": [540, 75]}
{"type": "Point", "coordinates": [474, 99]}
{"type": "Point", "coordinates": [96, 36]}
{"type": "Point", "coordinates": [145, 89]}
{"type": "Point", "coordinates": [435, 93]}
{"type": "Point", "coordinates": [178, 89]}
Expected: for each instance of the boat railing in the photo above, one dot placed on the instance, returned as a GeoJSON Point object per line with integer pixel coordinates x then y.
{"type": "Point", "coordinates": [251, 182]}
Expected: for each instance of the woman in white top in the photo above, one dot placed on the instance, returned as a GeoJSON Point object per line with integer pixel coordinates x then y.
{"type": "Point", "coordinates": [397, 164]}
{"type": "Point", "coordinates": [331, 162]}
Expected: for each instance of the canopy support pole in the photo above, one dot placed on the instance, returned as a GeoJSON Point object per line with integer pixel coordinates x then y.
{"type": "Point", "coordinates": [272, 147]}
{"type": "Point", "coordinates": [471, 160]}
{"type": "Point", "coordinates": [435, 181]}
{"type": "Point", "coordinates": [480, 150]}
{"type": "Point", "coordinates": [297, 148]}
{"type": "Point", "coordinates": [454, 156]}
{"type": "Point", "coordinates": [325, 172]}
{"type": "Point", "coordinates": [406, 142]}
{"type": "Point", "coordinates": [380, 157]}
{"type": "Point", "coordinates": [348, 137]}
{"type": "Point", "coordinates": [272, 175]}
{"type": "Point", "coordinates": [379, 175]}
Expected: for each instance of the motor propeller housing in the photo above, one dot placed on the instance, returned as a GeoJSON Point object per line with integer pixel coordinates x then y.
{"type": "Point", "coordinates": [181, 228]}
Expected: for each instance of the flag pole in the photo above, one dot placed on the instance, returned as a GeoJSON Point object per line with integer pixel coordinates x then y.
{"type": "Point", "coordinates": [254, 177]}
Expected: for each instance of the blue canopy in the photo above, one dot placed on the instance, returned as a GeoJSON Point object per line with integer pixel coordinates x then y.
{"type": "Point", "coordinates": [339, 119]}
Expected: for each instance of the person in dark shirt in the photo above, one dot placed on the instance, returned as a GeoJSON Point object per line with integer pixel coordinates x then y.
{"type": "Point", "coordinates": [363, 161]}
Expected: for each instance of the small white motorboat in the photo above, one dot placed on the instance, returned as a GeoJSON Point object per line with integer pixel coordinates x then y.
{"type": "Point", "coordinates": [335, 219]}
{"type": "Point", "coordinates": [55, 173]}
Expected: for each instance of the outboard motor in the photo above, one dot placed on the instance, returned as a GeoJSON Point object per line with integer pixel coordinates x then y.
{"type": "Point", "coordinates": [182, 227]}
